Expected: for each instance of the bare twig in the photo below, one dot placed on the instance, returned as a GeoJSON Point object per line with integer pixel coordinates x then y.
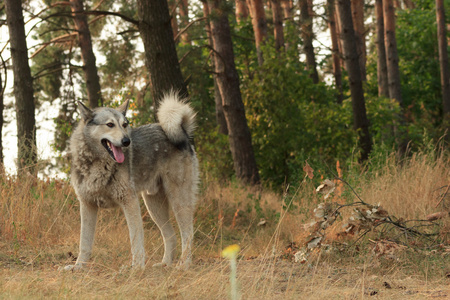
{"type": "Point", "coordinates": [443, 196]}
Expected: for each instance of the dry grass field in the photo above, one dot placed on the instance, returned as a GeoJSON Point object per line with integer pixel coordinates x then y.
{"type": "Point", "coordinates": [39, 232]}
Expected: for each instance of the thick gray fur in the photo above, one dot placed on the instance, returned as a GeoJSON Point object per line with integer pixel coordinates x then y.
{"type": "Point", "coordinates": [160, 164]}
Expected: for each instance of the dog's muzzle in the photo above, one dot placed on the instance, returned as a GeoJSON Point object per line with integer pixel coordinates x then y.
{"type": "Point", "coordinates": [116, 152]}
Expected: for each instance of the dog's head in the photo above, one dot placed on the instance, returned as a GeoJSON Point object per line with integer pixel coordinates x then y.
{"type": "Point", "coordinates": [108, 127]}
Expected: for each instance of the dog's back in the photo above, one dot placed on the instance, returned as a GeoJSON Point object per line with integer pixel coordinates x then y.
{"type": "Point", "coordinates": [164, 148]}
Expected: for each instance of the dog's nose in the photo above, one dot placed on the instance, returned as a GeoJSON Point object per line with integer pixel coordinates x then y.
{"type": "Point", "coordinates": [126, 142]}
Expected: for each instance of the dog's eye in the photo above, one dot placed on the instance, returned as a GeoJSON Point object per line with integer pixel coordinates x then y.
{"type": "Point", "coordinates": [110, 125]}
{"type": "Point", "coordinates": [125, 125]}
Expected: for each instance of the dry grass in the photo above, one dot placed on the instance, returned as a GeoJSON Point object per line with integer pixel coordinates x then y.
{"type": "Point", "coordinates": [39, 227]}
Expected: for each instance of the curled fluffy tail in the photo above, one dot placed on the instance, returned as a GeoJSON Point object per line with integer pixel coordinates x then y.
{"type": "Point", "coordinates": [176, 117]}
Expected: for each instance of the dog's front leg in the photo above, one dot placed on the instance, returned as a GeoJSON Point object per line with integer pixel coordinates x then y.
{"type": "Point", "coordinates": [88, 222]}
{"type": "Point", "coordinates": [132, 212]}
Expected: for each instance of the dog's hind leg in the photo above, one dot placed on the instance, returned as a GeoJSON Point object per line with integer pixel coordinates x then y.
{"type": "Point", "coordinates": [184, 214]}
{"type": "Point", "coordinates": [133, 216]}
{"type": "Point", "coordinates": [158, 207]}
{"type": "Point", "coordinates": [88, 222]}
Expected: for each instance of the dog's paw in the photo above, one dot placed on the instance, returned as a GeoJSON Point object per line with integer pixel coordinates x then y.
{"type": "Point", "coordinates": [183, 266]}
{"type": "Point", "coordinates": [161, 265]}
{"type": "Point", "coordinates": [75, 267]}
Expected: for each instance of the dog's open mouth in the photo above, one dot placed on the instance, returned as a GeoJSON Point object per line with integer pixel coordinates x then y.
{"type": "Point", "coordinates": [115, 152]}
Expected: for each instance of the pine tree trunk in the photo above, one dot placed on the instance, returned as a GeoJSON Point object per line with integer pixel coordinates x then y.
{"type": "Point", "coordinates": [220, 116]}
{"type": "Point", "coordinates": [391, 51]}
{"type": "Point", "coordinates": [393, 71]}
{"type": "Point", "coordinates": [360, 121]}
{"type": "Point", "coordinates": [241, 11]}
{"type": "Point", "coordinates": [87, 54]}
{"type": "Point", "coordinates": [259, 23]}
{"type": "Point", "coordinates": [228, 82]}
{"type": "Point", "coordinates": [382, 75]}
{"type": "Point", "coordinates": [335, 50]}
{"type": "Point", "coordinates": [338, 31]}
{"type": "Point", "coordinates": [443, 60]}
{"type": "Point", "coordinates": [287, 8]}
{"type": "Point", "coordinates": [184, 21]}
{"type": "Point", "coordinates": [360, 32]}
{"type": "Point", "coordinates": [409, 4]}
{"type": "Point", "coordinates": [308, 36]}
{"type": "Point", "coordinates": [23, 88]}
{"type": "Point", "coordinates": [278, 24]}
{"type": "Point", "coordinates": [161, 56]}
{"type": "Point", "coordinates": [173, 18]}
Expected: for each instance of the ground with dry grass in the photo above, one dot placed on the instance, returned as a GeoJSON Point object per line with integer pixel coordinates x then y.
{"type": "Point", "coordinates": [39, 232]}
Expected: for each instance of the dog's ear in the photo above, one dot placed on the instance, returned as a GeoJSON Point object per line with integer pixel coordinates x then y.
{"type": "Point", "coordinates": [123, 107]}
{"type": "Point", "coordinates": [86, 113]}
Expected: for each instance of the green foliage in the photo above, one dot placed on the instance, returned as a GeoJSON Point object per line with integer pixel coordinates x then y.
{"type": "Point", "coordinates": [292, 119]}
{"type": "Point", "coordinates": [416, 35]}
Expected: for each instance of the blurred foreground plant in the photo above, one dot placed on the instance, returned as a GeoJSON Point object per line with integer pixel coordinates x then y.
{"type": "Point", "coordinates": [231, 253]}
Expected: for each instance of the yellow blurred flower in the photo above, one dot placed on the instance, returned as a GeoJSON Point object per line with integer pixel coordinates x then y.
{"type": "Point", "coordinates": [231, 251]}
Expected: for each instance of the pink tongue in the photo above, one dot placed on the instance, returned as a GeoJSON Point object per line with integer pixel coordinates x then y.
{"type": "Point", "coordinates": [118, 154]}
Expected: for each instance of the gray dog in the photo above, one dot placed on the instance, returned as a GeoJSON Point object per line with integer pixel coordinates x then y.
{"type": "Point", "coordinates": [112, 163]}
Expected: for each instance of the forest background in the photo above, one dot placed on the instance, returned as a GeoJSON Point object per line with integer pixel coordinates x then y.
{"type": "Point", "coordinates": [288, 94]}
{"type": "Point", "coordinates": [297, 102]}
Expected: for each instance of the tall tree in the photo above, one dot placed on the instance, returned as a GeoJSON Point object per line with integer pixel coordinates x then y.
{"type": "Point", "coordinates": [382, 76]}
{"type": "Point", "coordinates": [287, 6]}
{"type": "Point", "coordinates": [443, 60]}
{"type": "Point", "coordinates": [393, 72]}
{"type": "Point", "coordinates": [277, 15]}
{"type": "Point", "coordinates": [360, 32]}
{"type": "Point", "coordinates": [87, 54]}
{"type": "Point", "coordinates": [228, 82]}
{"type": "Point", "coordinates": [241, 10]}
{"type": "Point", "coordinates": [409, 4]}
{"type": "Point", "coordinates": [308, 37]}
{"type": "Point", "coordinates": [220, 116]}
{"type": "Point", "coordinates": [23, 87]}
{"type": "Point", "coordinates": [184, 21]}
{"type": "Point", "coordinates": [173, 21]}
{"type": "Point", "coordinates": [360, 121]}
{"type": "Point", "coordinates": [391, 51]}
{"type": "Point", "coordinates": [335, 49]}
{"type": "Point", "coordinates": [160, 52]}
{"type": "Point", "coordinates": [259, 23]}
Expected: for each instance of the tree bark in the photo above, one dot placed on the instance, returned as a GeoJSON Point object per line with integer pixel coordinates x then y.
{"type": "Point", "coordinates": [160, 52]}
{"type": "Point", "coordinates": [335, 50]}
{"type": "Point", "coordinates": [382, 75]}
{"type": "Point", "coordinates": [409, 4]}
{"type": "Point", "coordinates": [391, 52]}
{"type": "Point", "coordinates": [23, 88]}
{"type": "Point", "coordinates": [360, 32]}
{"type": "Point", "coordinates": [278, 24]}
{"type": "Point", "coordinates": [443, 60]}
{"type": "Point", "coordinates": [228, 82]}
{"type": "Point", "coordinates": [393, 71]}
{"type": "Point", "coordinates": [173, 18]}
{"type": "Point", "coordinates": [287, 8]}
{"type": "Point", "coordinates": [241, 11]}
{"type": "Point", "coordinates": [360, 121]}
{"type": "Point", "coordinates": [308, 36]}
{"type": "Point", "coordinates": [184, 21]}
{"type": "Point", "coordinates": [87, 54]}
{"type": "Point", "coordinates": [220, 116]}
{"type": "Point", "coordinates": [259, 23]}
{"type": "Point", "coordinates": [338, 31]}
